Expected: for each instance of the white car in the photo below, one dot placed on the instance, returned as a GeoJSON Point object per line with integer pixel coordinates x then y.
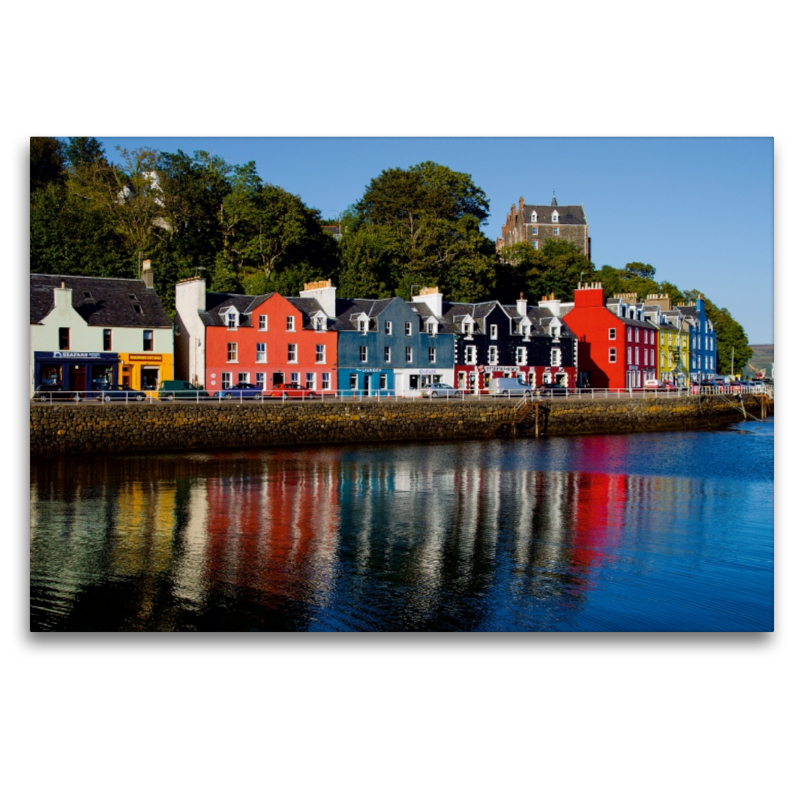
{"type": "Point", "coordinates": [441, 390]}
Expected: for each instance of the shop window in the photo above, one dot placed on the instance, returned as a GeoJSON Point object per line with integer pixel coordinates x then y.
{"type": "Point", "coordinates": [63, 338]}
{"type": "Point", "coordinates": [149, 379]}
{"type": "Point", "coordinates": [311, 380]}
{"type": "Point", "coordinates": [243, 377]}
{"type": "Point", "coordinates": [295, 377]}
{"type": "Point", "coordinates": [147, 344]}
{"type": "Point", "coordinates": [384, 380]}
{"type": "Point", "coordinates": [107, 339]}
{"type": "Point", "coordinates": [261, 380]}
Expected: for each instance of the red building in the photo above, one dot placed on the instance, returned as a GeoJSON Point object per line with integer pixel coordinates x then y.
{"type": "Point", "coordinates": [615, 351]}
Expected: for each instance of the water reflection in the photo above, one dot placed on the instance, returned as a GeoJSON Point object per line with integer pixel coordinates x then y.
{"type": "Point", "coordinates": [462, 536]}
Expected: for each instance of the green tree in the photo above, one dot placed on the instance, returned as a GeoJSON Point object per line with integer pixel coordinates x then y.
{"type": "Point", "coordinates": [83, 150]}
{"type": "Point", "coordinates": [732, 341]}
{"type": "Point", "coordinates": [47, 161]}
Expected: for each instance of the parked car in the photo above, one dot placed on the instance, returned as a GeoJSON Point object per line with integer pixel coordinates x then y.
{"type": "Point", "coordinates": [182, 390]}
{"type": "Point", "coordinates": [292, 390]}
{"type": "Point", "coordinates": [117, 392]}
{"type": "Point", "coordinates": [551, 390]}
{"type": "Point", "coordinates": [654, 385]}
{"type": "Point", "coordinates": [441, 390]}
{"type": "Point", "coordinates": [510, 387]}
{"type": "Point", "coordinates": [239, 391]}
{"type": "Point", "coordinates": [54, 391]}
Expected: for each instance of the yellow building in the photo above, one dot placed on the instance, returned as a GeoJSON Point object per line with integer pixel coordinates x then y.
{"type": "Point", "coordinates": [146, 371]}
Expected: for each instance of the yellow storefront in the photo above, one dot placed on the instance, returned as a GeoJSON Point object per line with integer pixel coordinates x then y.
{"type": "Point", "coordinates": [145, 371]}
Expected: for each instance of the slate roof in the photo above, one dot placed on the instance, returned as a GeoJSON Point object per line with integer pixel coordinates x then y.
{"type": "Point", "coordinates": [103, 302]}
{"type": "Point", "coordinates": [348, 309]}
{"type": "Point", "coordinates": [567, 215]}
{"type": "Point", "coordinates": [308, 307]}
{"type": "Point", "coordinates": [453, 313]}
{"type": "Point", "coordinates": [540, 319]}
{"type": "Point", "coordinates": [243, 303]}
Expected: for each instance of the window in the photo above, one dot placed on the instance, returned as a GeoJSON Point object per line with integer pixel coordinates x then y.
{"type": "Point", "coordinates": [63, 338]}
{"type": "Point", "coordinates": [262, 322]}
{"type": "Point", "coordinates": [612, 355]}
{"type": "Point", "coordinates": [363, 325]}
{"type": "Point", "coordinates": [226, 380]}
{"type": "Point", "coordinates": [107, 339]}
{"type": "Point", "coordinates": [233, 351]}
{"type": "Point", "coordinates": [554, 216]}
{"type": "Point", "coordinates": [637, 334]}
{"type": "Point", "coordinates": [493, 331]}
{"type": "Point", "coordinates": [493, 354]}
{"type": "Point", "coordinates": [387, 354]}
{"type": "Point", "coordinates": [409, 355]}
{"type": "Point", "coordinates": [432, 328]}
{"type": "Point", "coordinates": [137, 308]}
{"type": "Point", "coordinates": [525, 330]}
{"type": "Point", "coordinates": [630, 334]}
{"type": "Point", "coordinates": [243, 377]}
{"type": "Point", "coordinates": [291, 354]}
{"type": "Point", "coordinates": [147, 340]}
{"type": "Point", "coordinates": [431, 355]}
{"type": "Point", "coordinates": [535, 245]}
{"type": "Point", "coordinates": [320, 354]}
{"type": "Point", "coordinates": [612, 333]}
{"type": "Point", "coordinates": [387, 328]}
{"type": "Point", "coordinates": [522, 355]}
{"type": "Point", "coordinates": [384, 380]}
{"type": "Point", "coordinates": [231, 319]}
{"type": "Point", "coordinates": [630, 356]}
{"type": "Point", "coordinates": [408, 329]}
{"type": "Point", "coordinates": [555, 231]}
{"type": "Point", "coordinates": [289, 323]}
{"type": "Point", "coordinates": [326, 380]}
{"type": "Point", "coordinates": [471, 354]}
{"type": "Point", "coordinates": [261, 380]}
{"type": "Point", "coordinates": [294, 377]}
{"type": "Point", "coordinates": [311, 380]}
{"type": "Point", "coordinates": [261, 352]}
{"type": "Point", "coordinates": [555, 357]}
{"type": "Point", "coordinates": [534, 231]}
{"type": "Point", "coordinates": [362, 353]}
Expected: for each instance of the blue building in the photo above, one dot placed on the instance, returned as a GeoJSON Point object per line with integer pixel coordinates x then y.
{"type": "Point", "coordinates": [702, 341]}
{"type": "Point", "coordinates": [389, 346]}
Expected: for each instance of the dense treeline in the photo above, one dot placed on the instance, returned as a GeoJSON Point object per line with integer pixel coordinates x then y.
{"type": "Point", "coordinates": [197, 214]}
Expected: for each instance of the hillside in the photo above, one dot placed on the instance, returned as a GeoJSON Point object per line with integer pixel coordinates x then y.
{"type": "Point", "coordinates": [763, 358]}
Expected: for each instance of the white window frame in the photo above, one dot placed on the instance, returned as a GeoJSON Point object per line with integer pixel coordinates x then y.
{"type": "Point", "coordinates": [261, 380]}
{"type": "Point", "coordinates": [522, 356]}
{"type": "Point", "coordinates": [387, 327]}
{"type": "Point", "coordinates": [431, 355]}
{"type": "Point", "coordinates": [230, 320]}
{"type": "Point", "coordinates": [233, 353]}
{"type": "Point", "coordinates": [409, 355]}
{"type": "Point", "coordinates": [408, 329]}
{"type": "Point", "coordinates": [311, 381]}
{"type": "Point", "coordinates": [320, 354]}
{"type": "Point", "coordinates": [387, 355]}
{"type": "Point", "coordinates": [326, 381]}
{"type": "Point", "coordinates": [363, 354]}
{"type": "Point", "coordinates": [493, 331]}
{"type": "Point", "coordinates": [225, 380]}
{"type": "Point", "coordinates": [493, 356]}
{"type": "Point", "coordinates": [555, 356]}
{"type": "Point", "coordinates": [262, 322]}
{"type": "Point", "coordinates": [243, 377]}
{"type": "Point", "coordinates": [289, 324]}
{"type": "Point", "coordinates": [291, 353]}
{"type": "Point", "coordinates": [612, 355]}
{"type": "Point", "coordinates": [555, 231]}
{"type": "Point", "coordinates": [261, 352]}
{"type": "Point", "coordinates": [612, 334]}
{"type": "Point", "coordinates": [535, 245]}
{"type": "Point", "coordinates": [470, 354]}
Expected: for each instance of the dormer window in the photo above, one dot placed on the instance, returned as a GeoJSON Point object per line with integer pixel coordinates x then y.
{"type": "Point", "coordinates": [230, 320]}
{"type": "Point", "coordinates": [432, 328]}
{"type": "Point", "coordinates": [525, 330]}
{"type": "Point", "coordinates": [319, 322]}
{"type": "Point", "coordinates": [363, 325]}
{"type": "Point", "coordinates": [554, 216]}
{"type": "Point", "coordinates": [534, 217]}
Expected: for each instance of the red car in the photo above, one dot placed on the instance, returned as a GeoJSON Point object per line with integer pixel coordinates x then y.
{"type": "Point", "coordinates": [292, 390]}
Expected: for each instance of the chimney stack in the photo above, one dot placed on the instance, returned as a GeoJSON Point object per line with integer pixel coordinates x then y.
{"type": "Point", "coordinates": [522, 305]}
{"type": "Point", "coordinates": [324, 293]}
{"type": "Point", "coordinates": [147, 274]}
{"type": "Point", "coordinates": [432, 297]}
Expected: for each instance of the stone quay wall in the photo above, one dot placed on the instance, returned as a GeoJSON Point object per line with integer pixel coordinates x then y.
{"type": "Point", "coordinates": [83, 428]}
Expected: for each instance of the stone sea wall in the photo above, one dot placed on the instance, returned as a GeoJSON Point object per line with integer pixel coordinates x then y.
{"type": "Point", "coordinates": [90, 428]}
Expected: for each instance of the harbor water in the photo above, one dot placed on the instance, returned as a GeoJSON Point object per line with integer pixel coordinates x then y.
{"type": "Point", "coordinates": [638, 532]}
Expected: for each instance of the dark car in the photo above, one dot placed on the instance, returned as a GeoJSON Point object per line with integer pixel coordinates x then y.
{"type": "Point", "coordinates": [117, 392]}
{"type": "Point", "coordinates": [551, 390]}
{"type": "Point", "coordinates": [181, 390]}
{"type": "Point", "coordinates": [54, 391]}
{"type": "Point", "coordinates": [247, 391]}
{"type": "Point", "coordinates": [292, 390]}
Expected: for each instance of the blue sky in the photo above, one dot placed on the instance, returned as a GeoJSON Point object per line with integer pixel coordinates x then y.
{"type": "Point", "coordinates": [700, 210]}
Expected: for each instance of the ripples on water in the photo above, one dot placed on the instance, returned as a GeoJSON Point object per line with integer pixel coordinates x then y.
{"type": "Point", "coordinates": [649, 532]}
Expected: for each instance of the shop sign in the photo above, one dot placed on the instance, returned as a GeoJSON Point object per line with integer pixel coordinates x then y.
{"type": "Point", "coordinates": [152, 357]}
{"type": "Point", "coordinates": [69, 354]}
{"type": "Point", "coordinates": [368, 369]}
{"type": "Point", "coordinates": [429, 371]}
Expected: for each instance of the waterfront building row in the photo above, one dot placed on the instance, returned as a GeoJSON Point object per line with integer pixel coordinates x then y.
{"type": "Point", "coordinates": [88, 333]}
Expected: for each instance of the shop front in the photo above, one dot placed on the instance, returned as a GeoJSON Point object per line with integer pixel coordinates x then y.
{"type": "Point", "coordinates": [413, 381]}
{"type": "Point", "coordinates": [81, 372]}
{"type": "Point", "coordinates": [366, 382]}
{"type": "Point", "coordinates": [467, 375]}
{"type": "Point", "coordinates": [145, 371]}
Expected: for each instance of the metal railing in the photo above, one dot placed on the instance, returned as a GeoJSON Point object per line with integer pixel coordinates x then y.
{"type": "Point", "coordinates": [133, 397]}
